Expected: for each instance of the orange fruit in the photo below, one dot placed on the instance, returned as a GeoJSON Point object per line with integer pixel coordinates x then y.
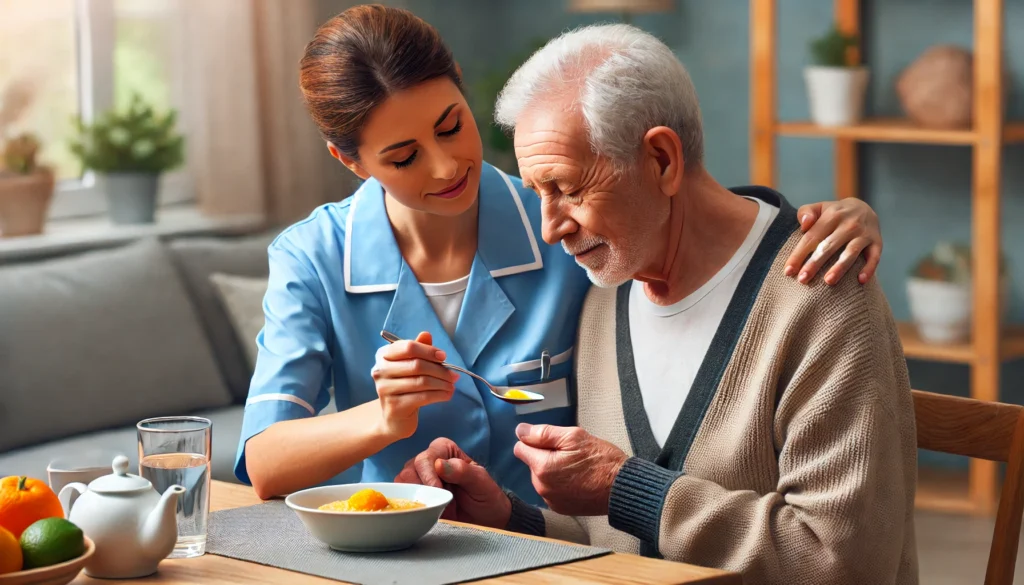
{"type": "Point", "coordinates": [10, 553]}
{"type": "Point", "coordinates": [23, 501]}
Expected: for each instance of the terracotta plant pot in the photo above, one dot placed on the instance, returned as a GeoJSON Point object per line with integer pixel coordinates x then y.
{"type": "Point", "coordinates": [24, 203]}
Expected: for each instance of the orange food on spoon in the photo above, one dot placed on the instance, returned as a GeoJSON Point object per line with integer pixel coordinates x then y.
{"type": "Point", "coordinates": [24, 501]}
{"type": "Point", "coordinates": [517, 394]}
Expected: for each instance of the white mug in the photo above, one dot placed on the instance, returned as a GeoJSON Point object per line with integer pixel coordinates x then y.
{"type": "Point", "coordinates": [79, 468]}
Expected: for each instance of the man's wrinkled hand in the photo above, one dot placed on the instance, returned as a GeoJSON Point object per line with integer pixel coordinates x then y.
{"type": "Point", "coordinates": [420, 469]}
{"type": "Point", "coordinates": [476, 498]}
{"type": "Point", "coordinates": [571, 469]}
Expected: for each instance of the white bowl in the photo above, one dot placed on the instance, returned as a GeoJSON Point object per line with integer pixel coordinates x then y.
{"type": "Point", "coordinates": [941, 310]}
{"type": "Point", "coordinates": [369, 531]}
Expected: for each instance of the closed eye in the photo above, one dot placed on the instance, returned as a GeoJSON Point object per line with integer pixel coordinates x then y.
{"type": "Point", "coordinates": [455, 130]}
{"type": "Point", "coordinates": [412, 157]}
{"type": "Point", "coordinates": [404, 163]}
{"type": "Point", "coordinates": [556, 195]}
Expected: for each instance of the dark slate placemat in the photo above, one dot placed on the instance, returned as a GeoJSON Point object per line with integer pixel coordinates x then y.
{"type": "Point", "coordinates": [272, 534]}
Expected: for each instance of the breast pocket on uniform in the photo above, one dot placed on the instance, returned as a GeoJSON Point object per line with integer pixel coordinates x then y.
{"type": "Point", "coordinates": [551, 380]}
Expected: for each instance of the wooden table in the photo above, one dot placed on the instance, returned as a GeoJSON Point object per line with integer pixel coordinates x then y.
{"type": "Point", "coordinates": [614, 568]}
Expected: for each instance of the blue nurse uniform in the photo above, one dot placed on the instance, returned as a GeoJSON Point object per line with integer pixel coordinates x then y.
{"type": "Point", "coordinates": [338, 278]}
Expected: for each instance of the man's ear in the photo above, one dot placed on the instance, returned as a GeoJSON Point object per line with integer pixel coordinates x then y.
{"type": "Point", "coordinates": [348, 161]}
{"type": "Point", "coordinates": [663, 151]}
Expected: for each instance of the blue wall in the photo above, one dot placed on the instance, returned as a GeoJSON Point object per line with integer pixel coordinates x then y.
{"type": "Point", "coordinates": [921, 193]}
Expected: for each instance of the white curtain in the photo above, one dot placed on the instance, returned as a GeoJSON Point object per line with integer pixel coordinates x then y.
{"type": "Point", "coordinates": [253, 147]}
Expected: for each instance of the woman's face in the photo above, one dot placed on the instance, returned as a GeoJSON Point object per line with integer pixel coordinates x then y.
{"type": "Point", "coordinates": [423, 145]}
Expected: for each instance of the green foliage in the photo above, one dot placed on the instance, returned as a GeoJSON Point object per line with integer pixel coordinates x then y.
{"type": "Point", "coordinates": [830, 50]}
{"type": "Point", "coordinates": [949, 262]}
{"type": "Point", "coordinates": [19, 154]}
{"type": "Point", "coordinates": [136, 140]}
{"type": "Point", "coordinates": [485, 93]}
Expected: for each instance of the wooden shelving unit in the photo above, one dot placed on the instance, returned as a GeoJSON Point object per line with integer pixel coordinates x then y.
{"type": "Point", "coordinates": [976, 491]}
{"type": "Point", "coordinates": [879, 130]}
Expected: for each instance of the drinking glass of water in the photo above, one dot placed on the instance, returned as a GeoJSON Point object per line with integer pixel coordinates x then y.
{"type": "Point", "coordinates": [176, 450]}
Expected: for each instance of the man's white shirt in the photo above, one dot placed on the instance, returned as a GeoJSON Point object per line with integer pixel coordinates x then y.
{"type": "Point", "coordinates": [670, 342]}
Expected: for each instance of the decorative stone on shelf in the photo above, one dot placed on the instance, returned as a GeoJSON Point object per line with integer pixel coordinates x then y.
{"type": "Point", "coordinates": [936, 90]}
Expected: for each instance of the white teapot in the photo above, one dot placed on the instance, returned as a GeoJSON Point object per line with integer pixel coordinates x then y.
{"type": "Point", "coordinates": [133, 526]}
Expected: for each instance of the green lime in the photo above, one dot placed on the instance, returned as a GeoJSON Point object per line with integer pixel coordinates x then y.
{"type": "Point", "coordinates": [51, 541]}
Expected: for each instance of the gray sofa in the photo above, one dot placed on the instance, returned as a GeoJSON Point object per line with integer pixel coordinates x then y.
{"type": "Point", "coordinates": [92, 342]}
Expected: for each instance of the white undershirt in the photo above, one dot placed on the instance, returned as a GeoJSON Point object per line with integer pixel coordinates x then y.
{"type": "Point", "coordinates": [669, 342]}
{"type": "Point", "coordinates": [446, 297]}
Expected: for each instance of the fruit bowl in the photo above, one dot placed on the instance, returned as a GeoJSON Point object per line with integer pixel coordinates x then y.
{"type": "Point", "coordinates": [59, 574]}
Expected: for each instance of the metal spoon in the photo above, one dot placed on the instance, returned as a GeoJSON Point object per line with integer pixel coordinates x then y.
{"type": "Point", "coordinates": [531, 396]}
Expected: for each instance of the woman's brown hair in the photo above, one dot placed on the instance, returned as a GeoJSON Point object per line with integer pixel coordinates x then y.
{"type": "Point", "coordinates": [359, 58]}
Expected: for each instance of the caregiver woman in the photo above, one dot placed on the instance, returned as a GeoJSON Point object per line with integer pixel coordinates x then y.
{"type": "Point", "coordinates": [437, 247]}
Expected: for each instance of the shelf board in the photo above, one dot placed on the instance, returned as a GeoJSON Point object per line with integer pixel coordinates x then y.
{"type": "Point", "coordinates": [941, 490]}
{"type": "Point", "coordinates": [895, 130]}
{"type": "Point", "coordinates": [879, 130]}
{"type": "Point", "coordinates": [1013, 131]}
{"type": "Point", "coordinates": [1011, 346]}
{"type": "Point", "coordinates": [915, 347]}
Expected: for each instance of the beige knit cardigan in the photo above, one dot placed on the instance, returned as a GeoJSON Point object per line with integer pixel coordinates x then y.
{"type": "Point", "coordinates": [794, 457]}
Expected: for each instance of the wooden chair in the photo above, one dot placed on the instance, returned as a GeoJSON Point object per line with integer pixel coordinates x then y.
{"type": "Point", "coordinates": [983, 430]}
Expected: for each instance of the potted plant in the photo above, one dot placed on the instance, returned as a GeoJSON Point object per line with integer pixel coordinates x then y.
{"type": "Point", "coordinates": [26, 188]}
{"type": "Point", "coordinates": [130, 150]}
{"type": "Point", "coordinates": [940, 296]}
{"type": "Point", "coordinates": [835, 89]}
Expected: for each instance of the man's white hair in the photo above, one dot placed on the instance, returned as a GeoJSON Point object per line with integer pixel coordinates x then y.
{"type": "Point", "coordinates": [625, 82]}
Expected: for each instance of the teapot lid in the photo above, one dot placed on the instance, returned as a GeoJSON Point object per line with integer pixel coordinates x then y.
{"type": "Point", "coordinates": [120, 481]}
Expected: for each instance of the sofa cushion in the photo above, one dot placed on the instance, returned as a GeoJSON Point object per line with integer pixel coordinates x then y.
{"type": "Point", "coordinates": [99, 340]}
{"type": "Point", "coordinates": [32, 461]}
{"type": "Point", "coordinates": [243, 298]}
{"type": "Point", "coordinates": [198, 259]}
{"type": "Point", "coordinates": [227, 428]}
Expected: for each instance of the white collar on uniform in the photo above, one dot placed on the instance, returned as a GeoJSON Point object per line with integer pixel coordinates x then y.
{"type": "Point", "coordinates": [373, 261]}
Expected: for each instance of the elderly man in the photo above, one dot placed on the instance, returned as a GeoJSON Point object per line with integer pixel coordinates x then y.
{"type": "Point", "coordinates": [729, 416]}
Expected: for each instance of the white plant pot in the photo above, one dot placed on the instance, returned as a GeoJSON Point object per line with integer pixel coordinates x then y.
{"type": "Point", "coordinates": [940, 310]}
{"type": "Point", "coordinates": [836, 94]}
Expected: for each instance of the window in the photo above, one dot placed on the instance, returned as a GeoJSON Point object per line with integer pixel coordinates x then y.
{"type": "Point", "coordinates": [83, 57]}
{"type": "Point", "coordinates": [37, 49]}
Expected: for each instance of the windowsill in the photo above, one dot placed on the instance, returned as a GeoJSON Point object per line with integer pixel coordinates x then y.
{"type": "Point", "coordinates": [98, 231]}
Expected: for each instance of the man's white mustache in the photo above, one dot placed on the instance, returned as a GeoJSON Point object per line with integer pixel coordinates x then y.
{"type": "Point", "coordinates": [582, 245]}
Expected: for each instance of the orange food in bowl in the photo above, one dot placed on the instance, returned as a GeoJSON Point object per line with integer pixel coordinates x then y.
{"type": "Point", "coordinates": [370, 500]}
{"type": "Point", "coordinates": [10, 553]}
{"type": "Point", "coordinates": [367, 501]}
{"type": "Point", "coordinates": [24, 501]}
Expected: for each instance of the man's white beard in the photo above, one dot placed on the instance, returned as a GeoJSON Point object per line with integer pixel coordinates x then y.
{"type": "Point", "coordinates": [625, 260]}
{"type": "Point", "coordinates": [605, 280]}
{"type": "Point", "coordinates": [601, 283]}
